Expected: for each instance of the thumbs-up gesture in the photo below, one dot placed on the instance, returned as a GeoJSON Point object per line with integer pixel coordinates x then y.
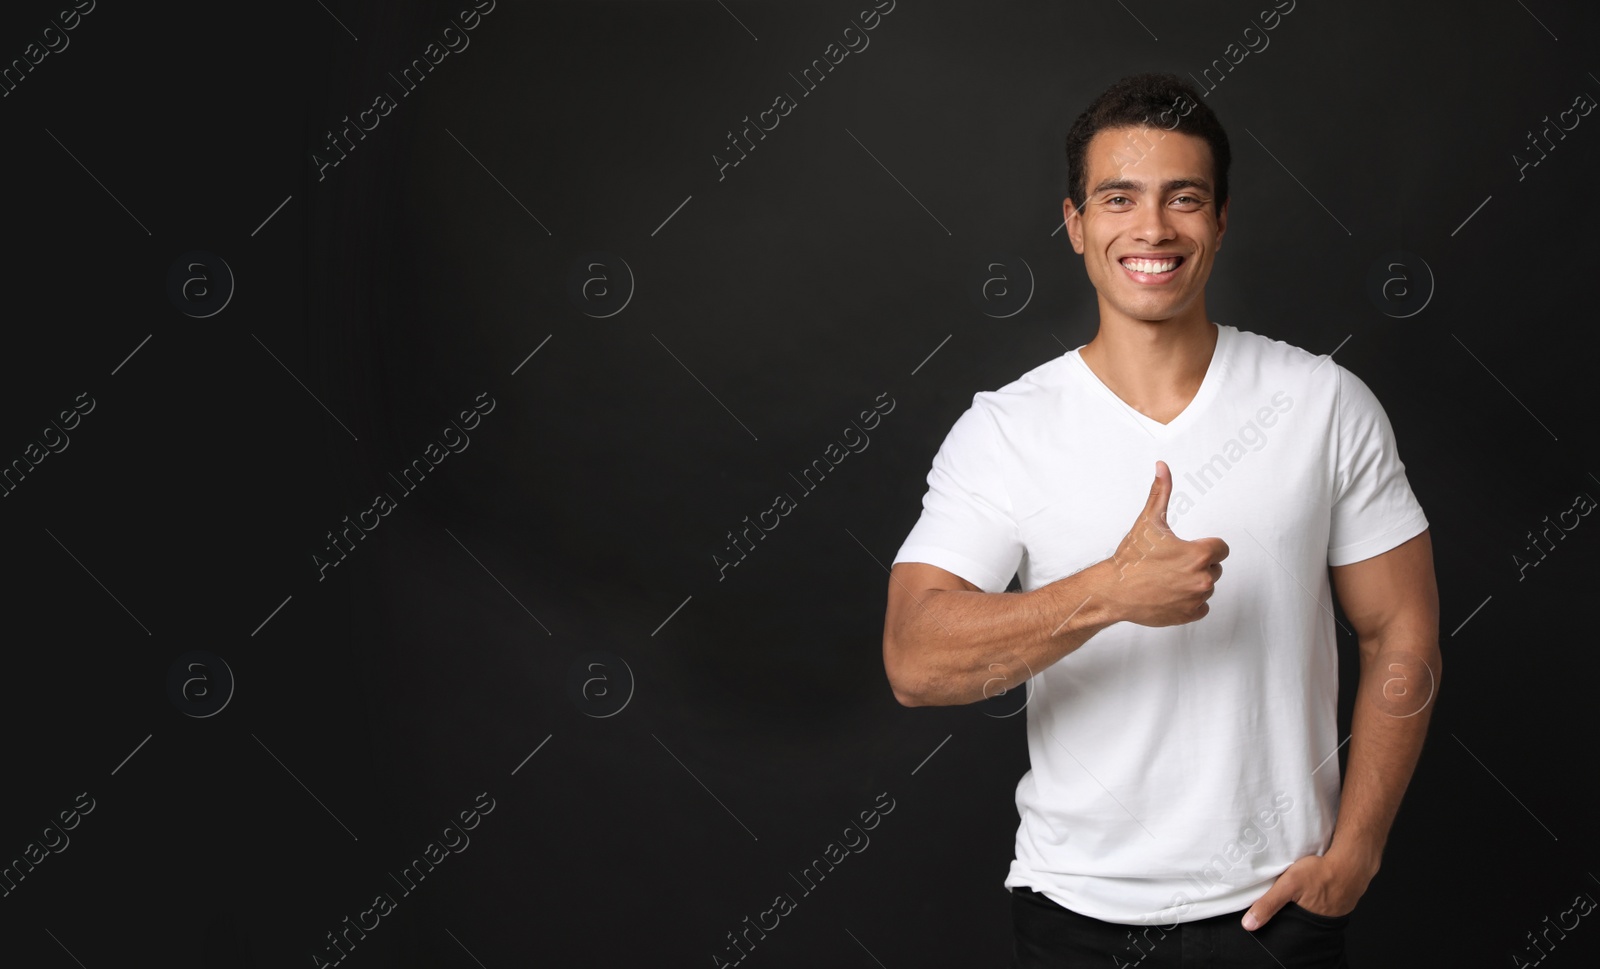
{"type": "Point", "coordinates": [1161, 579]}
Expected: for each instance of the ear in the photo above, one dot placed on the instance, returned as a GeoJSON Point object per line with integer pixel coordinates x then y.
{"type": "Point", "coordinates": [1222, 223]}
{"type": "Point", "coordinates": [1074, 220]}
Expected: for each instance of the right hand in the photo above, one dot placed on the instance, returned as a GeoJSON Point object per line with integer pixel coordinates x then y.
{"type": "Point", "coordinates": [1158, 579]}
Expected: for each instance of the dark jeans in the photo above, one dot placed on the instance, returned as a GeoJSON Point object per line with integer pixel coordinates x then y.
{"type": "Point", "coordinates": [1048, 935]}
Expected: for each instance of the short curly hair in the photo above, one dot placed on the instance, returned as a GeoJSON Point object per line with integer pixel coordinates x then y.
{"type": "Point", "coordinates": [1144, 100]}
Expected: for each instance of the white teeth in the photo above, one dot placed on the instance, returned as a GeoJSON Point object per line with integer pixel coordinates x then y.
{"type": "Point", "coordinates": [1151, 266]}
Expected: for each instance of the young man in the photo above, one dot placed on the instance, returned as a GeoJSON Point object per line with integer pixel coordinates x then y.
{"type": "Point", "coordinates": [1181, 727]}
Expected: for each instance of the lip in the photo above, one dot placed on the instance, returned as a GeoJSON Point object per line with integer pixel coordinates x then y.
{"type": "Point", "coordinates": [1153, 279]}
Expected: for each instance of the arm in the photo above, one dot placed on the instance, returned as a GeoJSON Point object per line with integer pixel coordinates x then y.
{"type": "Point", "coordinates": [947, 642]}
{"type": "Point", "coordinates": [1393, 601]}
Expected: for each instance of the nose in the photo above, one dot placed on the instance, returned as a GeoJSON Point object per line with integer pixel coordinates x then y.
{"type": "Point", "coordinates": [1154, 225]}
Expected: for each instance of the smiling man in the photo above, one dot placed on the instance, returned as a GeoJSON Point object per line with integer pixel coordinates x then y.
{"type": "Point", "coordinates": [1182, 728]}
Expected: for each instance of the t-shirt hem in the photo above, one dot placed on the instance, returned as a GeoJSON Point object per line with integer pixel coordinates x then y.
{"type": "Point", "coordinates": [972, 570]}
{"type": "Point", "coordinates": [1237, 900]}
{"type": "Point", "coordinates": [1394, 537]}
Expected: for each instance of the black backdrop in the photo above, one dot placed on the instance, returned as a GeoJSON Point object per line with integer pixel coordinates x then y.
{"type": "Point", "coordinates": [539, 626]}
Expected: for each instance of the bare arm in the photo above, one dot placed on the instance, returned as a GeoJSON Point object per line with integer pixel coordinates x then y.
{"type": "Point", "coordinates": [1393, 601]}
{"type": "Point", "coordinates": [947, 642]}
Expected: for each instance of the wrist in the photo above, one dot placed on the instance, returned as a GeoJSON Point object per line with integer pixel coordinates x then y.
{"type": "Point", "coordinates": [1359, 860]}
{"type": "Point", "coordinates": [1080, 601]}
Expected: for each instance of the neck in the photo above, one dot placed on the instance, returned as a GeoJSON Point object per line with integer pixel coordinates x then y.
{"type": "Point", "coordinates": [1152, 365]}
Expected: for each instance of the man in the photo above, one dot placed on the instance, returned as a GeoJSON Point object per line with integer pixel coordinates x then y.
{"type": "Point", "coordinates": [1181, 728]}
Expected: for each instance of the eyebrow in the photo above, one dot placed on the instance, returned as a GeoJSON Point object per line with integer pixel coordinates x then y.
{"type": "Point", "coordinates": [1133, 185]}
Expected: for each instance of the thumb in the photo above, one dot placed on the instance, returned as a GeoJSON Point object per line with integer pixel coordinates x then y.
{"type": "Point", "coordinates": [1155, 508]}
{"type": "Point", "coordinates": [1266, 907]}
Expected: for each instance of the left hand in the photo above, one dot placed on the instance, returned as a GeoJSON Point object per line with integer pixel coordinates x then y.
{"type": "Point", "coordinates": [1321, 884]}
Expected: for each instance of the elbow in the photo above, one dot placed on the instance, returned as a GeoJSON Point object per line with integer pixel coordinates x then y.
{"type": "Point", "coordinates": [901, 681]}
{"type": "Point", "coordinates": [905, 697]}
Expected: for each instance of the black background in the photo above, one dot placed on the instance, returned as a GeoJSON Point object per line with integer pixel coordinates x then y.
{"type": "Point", "coordinates": [769, 307]}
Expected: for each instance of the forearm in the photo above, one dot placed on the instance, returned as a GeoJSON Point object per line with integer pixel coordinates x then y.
{"type": "Point", "coordinates": [955, 647]}
{"type": "Point", "coordinates": [1395, 697]}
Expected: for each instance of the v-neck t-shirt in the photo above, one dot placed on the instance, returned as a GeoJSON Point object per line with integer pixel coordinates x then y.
{"type": "Point", "coordinates": [1176, 771]}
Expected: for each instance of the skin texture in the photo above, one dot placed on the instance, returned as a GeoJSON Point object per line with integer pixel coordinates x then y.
{"type": "Point", "coordinates": [947, 642]}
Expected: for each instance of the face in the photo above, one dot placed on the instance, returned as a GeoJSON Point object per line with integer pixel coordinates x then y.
{"type": "Point", "coordinates": [1148, 230]}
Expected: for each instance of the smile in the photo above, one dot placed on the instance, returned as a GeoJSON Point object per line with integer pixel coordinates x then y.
{"type": "Point", "coordinates": [1151, 270]}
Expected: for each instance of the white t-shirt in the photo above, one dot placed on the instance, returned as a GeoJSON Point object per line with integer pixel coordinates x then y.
{"type": "Point", "coordinates": [1176, 771]}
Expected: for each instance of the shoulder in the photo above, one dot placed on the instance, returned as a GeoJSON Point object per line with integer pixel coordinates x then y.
{"type": "Point", "coordinates": [1269, 354]}
{"type": "Point", "coordinates": [1030, 398]}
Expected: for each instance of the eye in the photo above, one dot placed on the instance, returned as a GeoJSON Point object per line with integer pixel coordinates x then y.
{"type": "Point", "coordinates": [1188, 201]}
{"type": "Point", "coordinates": [1113, 200]}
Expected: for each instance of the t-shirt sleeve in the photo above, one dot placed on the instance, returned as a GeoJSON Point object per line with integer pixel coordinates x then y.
{"type": "Point", "coordinates": [1373, 508]}
{"type": "Point", "coordinates": [966, 526]}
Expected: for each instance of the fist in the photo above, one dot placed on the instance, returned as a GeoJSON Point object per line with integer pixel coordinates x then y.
{"type": "Point", "coordinates": [1159, 579]}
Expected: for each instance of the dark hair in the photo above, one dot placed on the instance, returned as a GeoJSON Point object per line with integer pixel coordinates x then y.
{"type": "Point", "coordinates": [1147, 100]}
